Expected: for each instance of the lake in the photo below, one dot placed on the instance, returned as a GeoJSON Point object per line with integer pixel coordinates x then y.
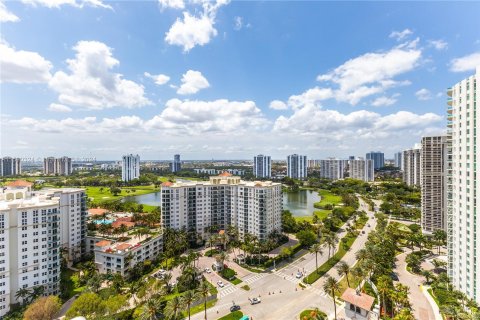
{"type": "Point", "coordinates": [299, 203]}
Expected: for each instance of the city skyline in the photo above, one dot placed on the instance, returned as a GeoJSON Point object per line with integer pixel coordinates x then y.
{"type": "Point", "coordinates": [256, 78]}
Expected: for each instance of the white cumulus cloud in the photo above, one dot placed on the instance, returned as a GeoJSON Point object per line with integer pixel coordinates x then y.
{"type": "Point", "coordinates": [278, 105]}
{"type": "Point", "coordinates": [423, 94]}
{"type": "Point", "coordinates": [74, 3]}
{"type": "Point", "coordinates": [372, 73]}
{"type": "Point", "coordinates": [173, 4]}
{"type": "Point", "coordinates": [195, 30]}
{"type": "Point", "coordinates": [91, 84]}
{"type": "Point", "coordinates": [159, 79]}
{"type": "Point", "coordinates": [383, 101]}
{"type": "Point", "coordinates": [466, 63]}
{"type": "Point", "coordinates": [192, 82]}
{"type": "Point", "coordinates": [6, 15]}
{"type": "Point", "coordinates": [56, 107]}
{"type": "Point", "coordinates": [19, 66]}
{"type": "Point", "coordinates": [400, 35]}
{"type": "Point", "coordinates": [438, 44]}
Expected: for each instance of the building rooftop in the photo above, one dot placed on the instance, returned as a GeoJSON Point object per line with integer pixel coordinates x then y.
{"type": "Point", "coordinates": [358, 299]}
{"type": "Point", "coordinates": [222, 179]}
{"type": "Point", "coordinates": [97, 211]}
{"type": "Point", "coordinates": [225, 174]}
{"type": "Point", "coordinates": [103, 243]}
{"type": "Point", "coordinates": [19, 183]}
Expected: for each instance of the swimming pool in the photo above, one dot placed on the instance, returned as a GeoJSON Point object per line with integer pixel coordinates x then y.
{"type": "Point", "coordinates": [106, 221]}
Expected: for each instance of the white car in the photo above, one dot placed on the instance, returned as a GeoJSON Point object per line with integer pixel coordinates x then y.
{"type": "Point", "coordinates": [207, 270]}
{"type": "Point", "coordinates": [299, 275]}
{"type": "Point", "coordinates": [220, 284]}
{"type": "Point", "coordinates": [254, 300]}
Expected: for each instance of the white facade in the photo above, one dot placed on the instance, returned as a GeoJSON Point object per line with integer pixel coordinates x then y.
{"type": "Point", "coordinates": [463, 218]}
{"type": "Point", "coordinates": [297, 166]}
{"type": "Point", "coordinates": [10, 166]}
{"type": "Point", "coordinates": [398, 160]}
{"type": "Point", "coordinates": [252, 207]}
{"type": "Point", "coordinates": [412, 166]}
{"type": "Point", "coordinates": [361, 169]}
{"type": "Point", "coordinates": [432, 176]}
{"type": "Point", "coordinates": [130, 167]}
{"type": "Point", "coordinates": [262, 166]}
{"type": "Point", "coordinates": [332, 169]}
{"type": "Point", "coordinates": [33, 228]}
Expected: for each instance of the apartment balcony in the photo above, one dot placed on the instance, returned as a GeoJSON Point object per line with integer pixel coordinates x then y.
{"type": "Point", "coordinates": [449, 124]}
{"type": "Point", "coordinates": [449, 101]}
{"type": "Point", "coordinates": [449, 109]}
{"type": "Point", "coordinates": [449, 91]}
{"type": "Point", "coordinates": [450, 117]}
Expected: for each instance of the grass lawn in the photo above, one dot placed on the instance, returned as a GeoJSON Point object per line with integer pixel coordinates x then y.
{"type": "Point", "coordinates": [246, 287]}
{"type": "Point", "coordinates": [200, 307]}
{"type": "Point", "coordinates": [236, 281]}
{"type": "Point", "coordinates": [103, 193]}
{"type": "Point", "coordinates": [307, 315]}
{"type": "Point", "coordinates": [327, 197]}
{"type": "Point", "coordinates": [321, 214]}
{"type": "Point", "coordinates": [354, 282]}
{"type": "Point", "coordinates": [235, 315]}
{"type": "Point", "coordinates": [66, 279]}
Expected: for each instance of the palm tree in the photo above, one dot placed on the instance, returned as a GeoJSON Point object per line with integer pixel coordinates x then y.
{"type": "Point", "coordinates": [384, 286]}
{"type": "Point", "coordinates": [188, 298]}
{"type": "Point", "coordinates": [204, 291]}
{"type": "Point", "coordinates": [151, 310]}
{"type": "Point", "coordinates": [428, 275]}
{"type": "Point", "coordinates": [22, 294]}
{"type": "Point", "coordinates": [331, 240]}
{"type": "Point", "coordinates": [318, 250]}
{"type": "Point", "coordinates": [173, 307]}
{"type": "Point", "coordinates": [330, 287]}
{"type": "Point", "coordinates": [166, 280]}
{"type": "Point", "coordinates": [343, 269]}
{"type": "Point", "coordinates": [404, 314]}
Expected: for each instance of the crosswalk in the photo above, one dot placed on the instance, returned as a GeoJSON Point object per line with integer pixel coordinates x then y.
{"type": "Point", "coordinates": [288, 277]}
{"type": "Point", "coordinates": [253, 277]}
{"type": "Point", "coordinates": [226, 291]}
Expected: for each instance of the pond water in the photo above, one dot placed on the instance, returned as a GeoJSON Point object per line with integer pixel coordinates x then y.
{"type": "Point", "coordinates": [299, 203]}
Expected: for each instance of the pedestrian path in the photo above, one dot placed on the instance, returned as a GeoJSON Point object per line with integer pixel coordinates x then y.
{"type": "Point", "coordinates": [288, 277]}
{"type": "Point", "coordinates": [253, 278]}
{"type": "Point", "coordinates": [226, 291]}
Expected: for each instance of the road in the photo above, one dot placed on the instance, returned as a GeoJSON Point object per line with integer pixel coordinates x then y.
{"type": "Point", "coordinates": [420, 305]}
{"type": "Point", "coordinates": [282, 297]}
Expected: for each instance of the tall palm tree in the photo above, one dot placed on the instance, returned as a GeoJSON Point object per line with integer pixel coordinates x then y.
{"type": "Point", "coordinates": [188, 298]}
{"type": "Point", "coordinates": [204, 291]}
{"type": "Point", "coordinates": [22, 294]}
{"type": "Point", "coordinates": [343, 269]}
{"type": "Point", "coordinates": [151, 310]}
{"type": "Point", "coordinates": [331, 240]}
{"type": "Point", "coordinates": [330, 287]}
{"type": "Point", "coordinates": [173, 307]}
{"type": "Point", "coordinates": [166, 281]}
{"type": "Point", "coordinates": [384, 286]}
{"type": "Point", "coordinates": [318, 250]}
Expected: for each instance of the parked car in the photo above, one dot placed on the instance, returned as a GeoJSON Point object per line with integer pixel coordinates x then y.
{"type": "Point", "coordinates": [299, 275]}
{"type": "Point", "coordinates": [254, 300]}
{"type": "Point", "coordinates": [235, 307]}
{"type": "Point", "coordinates": [220, 284]}
{"type": "Point", "coordinates": [207, 270]}
{"type": "Point", "coordinates": [394, 276]}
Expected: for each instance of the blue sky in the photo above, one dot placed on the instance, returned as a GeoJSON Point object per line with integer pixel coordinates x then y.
{"type": "Point", "coordinates": [88, 78]}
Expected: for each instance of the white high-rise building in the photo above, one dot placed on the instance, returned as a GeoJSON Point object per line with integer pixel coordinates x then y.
{"type": "Point", "coordinates": [262, 166]}
{"type": "Point", "coordinates": [432, 183]}
{"type": "Point", "coordinates": [332, 169]}
{"type": "Point", "coordinates": [463, 218]}
{"type": "Point", "coordinates": [398, 160]}
{"type": "Point", "coordinates": [32, 232]}
{"type": "Point", "coordinates": [412, 166]}
{"type": "Point", "coordinates": [254, 207]}
{"type": "Point", "coordinates": [130, 167]}
{"type": "Point", "coordinates": [361, 169]}
{"type": "Point", "coordinates": [297, 166]}
{"type": "Point", "coordinates": [10, 166]}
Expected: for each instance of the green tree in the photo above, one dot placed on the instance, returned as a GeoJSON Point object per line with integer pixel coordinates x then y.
{"type": "Point", "coordinates": [173, 308]}
{"type": "Point", "coordinates": [151, 310]}
{"type": "Point", "coordinates": [330, 287]}
{"type": "Point", "coordinates": [384, 285]}
{"type": "Point", "coordinates": [306, 237]}
{"type": "Point", "coordinates": [343, 269]}
{"type": "Point", "coordinates": [204, 291]}
{"type": "Point", "coordinates": [188, 298]}
{"type": "Point", "coordinates": [317, 249]}
{"type": "Point", "coordinates": [114, 303]}
{"type": "Point", "coordinates": [89, 305]}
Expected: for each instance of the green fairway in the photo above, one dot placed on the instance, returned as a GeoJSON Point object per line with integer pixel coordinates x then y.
{"type": "Point", "coordinates": [103, 193]}
{"type": "Point", "coordinates": [328, 197]}
{"type": "Point", "coordinates": [321, 214]}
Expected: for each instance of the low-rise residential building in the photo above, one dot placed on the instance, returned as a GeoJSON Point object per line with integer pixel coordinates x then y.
{"type": "Point", "coordinates": [120, 256]}
{"type": "Point", "coordinates": [253, 207]}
